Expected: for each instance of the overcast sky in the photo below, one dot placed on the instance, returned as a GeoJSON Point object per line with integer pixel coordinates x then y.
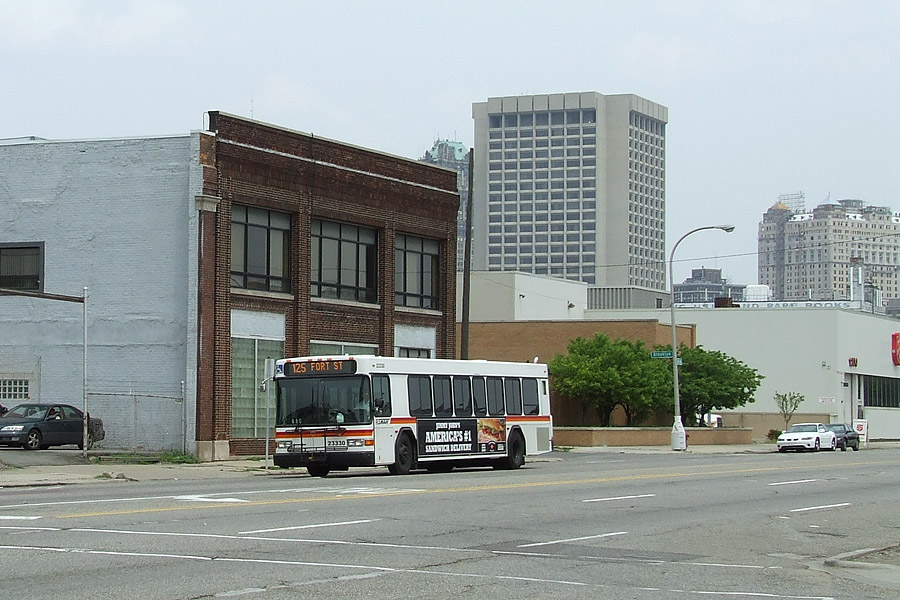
{"type": "Point", "coordinates": [764, 98]}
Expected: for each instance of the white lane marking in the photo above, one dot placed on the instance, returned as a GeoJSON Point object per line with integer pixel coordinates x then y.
{"type": "Point", "coordinates": [262, 538]}
{"type": "Point", "coordinates": [308, 526]}
{"type": "Point", "coordinates": [13, 518]}
{"type": "Point", "coordinates": [620, 498]}
{"type": "Point", "coordinates": [793, 482]}
{"type": "Point", "coordinates": [578, 539]}
{"type": "Point", "coordinates": [199, 498]}
{"type": "Point", "coordinates": [312, 490]}
{"type": "Point", "coordinates": [372, 544]}
{"type": "Point", "coordinates": [288, 563]}
{"type": "Point", "coordinates": [631, 559]}
{"type": "Point", "coordinates": [377, 569]}
{"type": "Point", "coordinates": [820, 507]}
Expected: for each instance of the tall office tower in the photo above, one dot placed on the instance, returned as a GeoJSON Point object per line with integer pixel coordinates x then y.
{"type": "Point", "coordinates": [837, 251]}
{"type": "Point", "coordinates": [454, 155]}
{"type": "Point", "coordinates": [571, 185]}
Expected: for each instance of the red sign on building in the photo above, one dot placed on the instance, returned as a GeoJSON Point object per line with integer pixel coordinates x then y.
{"type": "Point", "coordinates": [895, 348]}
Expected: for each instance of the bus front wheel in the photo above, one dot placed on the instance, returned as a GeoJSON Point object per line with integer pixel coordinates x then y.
{"type": "Point", "coordinates": [515, 456]}
{"type": "Point", "coordinates": [403, 455]}
{"type": "Point", "coordinates": [317, 470]}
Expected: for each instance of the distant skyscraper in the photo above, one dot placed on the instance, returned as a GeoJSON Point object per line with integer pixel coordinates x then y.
{"type": "Point", "coordinates": [454, 155]}
{"type": "Point", "coordinates": [837, 251]}
{"type": "Point", "coordinates": [571, 185]}
{"type": "Point", "coordinates": [705, 285]}
{"type": "Point", "coordinates": [796, 201]}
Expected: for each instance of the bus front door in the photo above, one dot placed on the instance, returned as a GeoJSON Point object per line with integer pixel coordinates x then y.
{"type": "Point", "coordinates": [385, 437]}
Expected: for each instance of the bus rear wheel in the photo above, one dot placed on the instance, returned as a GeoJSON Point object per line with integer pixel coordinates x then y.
{"type": "Point", "coordinates": [317, 470]}
{"type": "Point", "coordinates": [515, 453]}
{"type": "Point", "coordinates": [403, 455]}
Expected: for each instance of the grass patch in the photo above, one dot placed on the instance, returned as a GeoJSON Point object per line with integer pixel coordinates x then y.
{"type": "Point", "coordinates": [177, 457]}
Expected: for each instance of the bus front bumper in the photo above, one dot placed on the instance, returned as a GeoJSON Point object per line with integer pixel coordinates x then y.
{"type": "Point", "coordinates": [335, 460]}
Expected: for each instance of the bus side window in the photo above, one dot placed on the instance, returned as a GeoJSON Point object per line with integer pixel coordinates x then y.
{"type": "Point", "coordinates": [462, 396]}
{"type": "Point", "coordinates": [530, 403]}
{"type": "Point", "coordinates": [443, 401]}
{"type": "Point", "coordinates": [495, 396]}
{"type": "Point", "coordinates": [513, 395]}
{"type": "Point", "coordinates": [479, 397]}
{"type": "Point", "coordinates": [419, 387]}
{"type": "Point", "coordinates": [381, 390]}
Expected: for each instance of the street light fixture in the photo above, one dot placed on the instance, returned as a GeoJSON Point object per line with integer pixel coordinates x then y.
{"type": "Point", "coordinates": [679, 439]}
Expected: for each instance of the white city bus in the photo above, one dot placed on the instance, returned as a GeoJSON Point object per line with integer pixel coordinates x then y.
{"type": "Point", "coordinates": [336, 412]}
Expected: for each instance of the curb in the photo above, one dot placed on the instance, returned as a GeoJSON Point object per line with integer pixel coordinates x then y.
{"type": "Point", "coordinates": [847, 559]}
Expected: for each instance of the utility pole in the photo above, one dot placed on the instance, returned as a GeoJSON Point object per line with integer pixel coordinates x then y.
{"type": "Point", "coordinates": [467, 266]}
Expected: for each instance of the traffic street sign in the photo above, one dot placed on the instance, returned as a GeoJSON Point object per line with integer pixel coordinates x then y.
{"type": "Point", "coordinates": [662, 354]}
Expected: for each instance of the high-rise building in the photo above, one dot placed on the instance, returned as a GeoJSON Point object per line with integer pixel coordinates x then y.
{"type": "Point", "coordinates": [838, 251]}
{"type": "Point", "coordinates": [571, 185]}
{"type": "Point", "coordinates": [454, 155]}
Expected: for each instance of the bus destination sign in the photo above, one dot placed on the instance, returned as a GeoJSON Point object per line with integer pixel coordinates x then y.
{"type": "Point", "coordinates": [312, 368]}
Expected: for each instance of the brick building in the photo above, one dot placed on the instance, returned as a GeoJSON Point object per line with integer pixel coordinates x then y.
{"type": "Point", "coordinates": [207, 253]}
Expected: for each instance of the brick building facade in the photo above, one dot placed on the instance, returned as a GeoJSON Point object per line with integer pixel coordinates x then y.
{"type": "Point", "coordinates": [318, 184]}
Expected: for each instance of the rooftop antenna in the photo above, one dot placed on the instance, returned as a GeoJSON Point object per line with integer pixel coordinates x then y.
{"type": "Point", "coordinates": [251, 106]}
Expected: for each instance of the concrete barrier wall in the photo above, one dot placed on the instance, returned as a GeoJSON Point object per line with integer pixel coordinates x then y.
{"type": "Point", "coordinates": [648, 436]}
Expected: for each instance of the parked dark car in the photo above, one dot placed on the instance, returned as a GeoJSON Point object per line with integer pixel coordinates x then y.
{"type": "Point", "coordinates": [845, 436]}
{"type": "Point", "coordinates": [39, 426]}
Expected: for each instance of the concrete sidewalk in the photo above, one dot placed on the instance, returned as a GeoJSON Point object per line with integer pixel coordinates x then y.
{"type": "Point", "coordinates": [108, 471]}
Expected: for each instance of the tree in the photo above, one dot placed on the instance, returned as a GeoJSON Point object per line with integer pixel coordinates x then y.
{"type": "Point", "coordinates": [601, 374]}
{"type": "Point", "coordinates": [711, 380]}
{"type": "Point", "coordinates": [788, 404]}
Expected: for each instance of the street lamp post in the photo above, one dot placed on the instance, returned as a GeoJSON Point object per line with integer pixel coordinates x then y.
{"type": "Point", "coordinates": [679, 439]}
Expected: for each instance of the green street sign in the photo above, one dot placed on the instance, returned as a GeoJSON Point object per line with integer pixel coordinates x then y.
{"type": "Point", "coordinates": [662, 354]}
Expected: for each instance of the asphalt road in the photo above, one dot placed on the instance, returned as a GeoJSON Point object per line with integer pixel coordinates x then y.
{"type": "Point", "coordinates": [574, 525]}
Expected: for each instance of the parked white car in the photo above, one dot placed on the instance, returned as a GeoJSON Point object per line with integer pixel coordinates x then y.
{"type": "Point", "coordinates": [807, 436]}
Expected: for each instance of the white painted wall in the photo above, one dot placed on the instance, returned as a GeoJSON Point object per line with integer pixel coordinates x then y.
{"type": "Point", "coordinates": [117, 217]}
{"type": "Point", "coordinates": [514, 296]}
{"type": "Point", "coordinates": [804, 350]}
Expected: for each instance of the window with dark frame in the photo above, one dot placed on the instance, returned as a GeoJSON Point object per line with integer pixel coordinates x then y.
{"type": "Point", "coordinates": [419, 388]}
{"type": "Point", "coordinates": [416, 272]}
{"type": "Point", "coordinates": [530, 403]}
{"type": "Point", "coordinates": [22, 266]}
{"type": "Point", "coordinates": [343, 261]}
{"type": "Point", "coordinates": [462, 397]}
{"type": "Point", "coordinates": [495, 397]}
{"type": "Point", "coordinates": [479, 396]}
{"type": "Point", "coordinates": [443, 399]}
{"type": "Point", "coordinates": [404, 352]}
{"type": "Point", "coordinates": [513, 395]}
{"type": "Point", "coordinates": [260, 249]}
{"type": "Point", "coordinates": [381, 394]}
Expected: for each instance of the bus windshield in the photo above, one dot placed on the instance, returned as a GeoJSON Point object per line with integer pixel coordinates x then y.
{"type": "Point", "coordinates": [324, 401]}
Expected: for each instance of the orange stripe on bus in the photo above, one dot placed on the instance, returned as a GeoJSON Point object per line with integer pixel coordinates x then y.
{"type": "Point", "coordinates": [403, 420]}
{"type": "Point", "coordinates": [323, 433]}
{"type": "Point", "coordinates": [525, 418]}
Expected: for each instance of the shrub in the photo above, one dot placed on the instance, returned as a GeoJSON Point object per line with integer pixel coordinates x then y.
{"type": "Point", "coordinates": [773, 435]}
